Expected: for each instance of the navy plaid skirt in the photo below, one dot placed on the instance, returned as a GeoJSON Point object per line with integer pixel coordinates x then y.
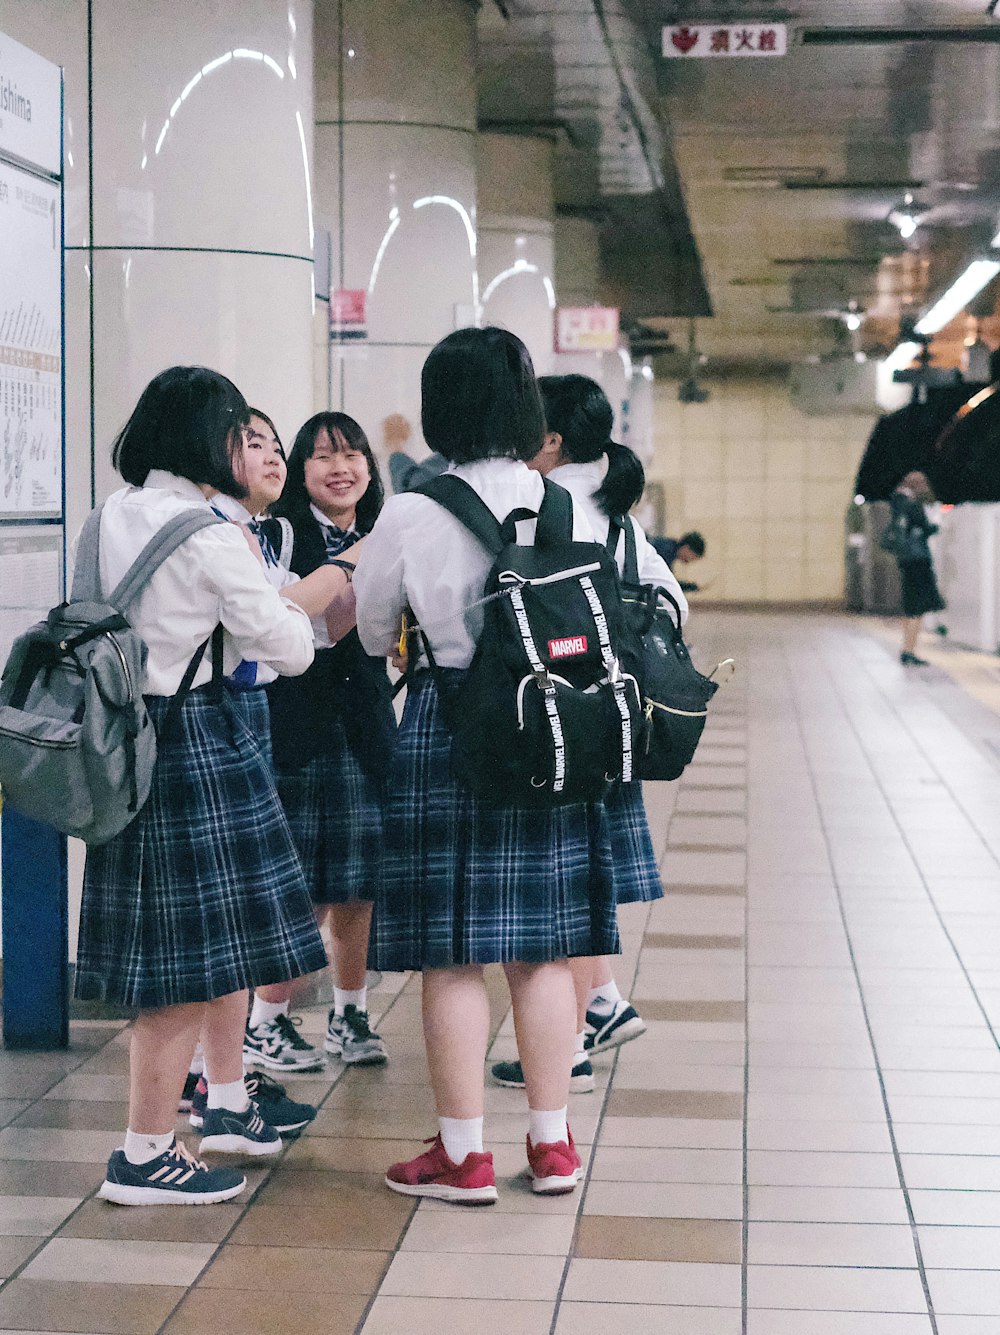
{"type": "Point", "coordinates": [202, 894]}
{"type": "Point", "coordinates": [255, 716]}
{"type": "Point", "coordinates": [637, 877]}
{"type": "Point", "coordinates": [465, 883]}
{"type": "Point", "coordinates": [334, 812]}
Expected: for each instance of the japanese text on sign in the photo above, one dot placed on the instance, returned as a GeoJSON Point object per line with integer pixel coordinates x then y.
{"type": "Point", "coordinates": [707, 40]}
{"type": "Point", "coordinates": [587, 329]}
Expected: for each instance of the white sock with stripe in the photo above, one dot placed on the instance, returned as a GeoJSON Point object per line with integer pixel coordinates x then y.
{"type": "Point", "coordinates": [233, 1097]}
{"type": "Point", "coordinates": [603, 999]}
{"type": "Point", "coordinates": [266, 1012]}
{"type": "Point", "coordinates": [344, 997]}
{"type": "Point", "coordinates": [141, 1147]}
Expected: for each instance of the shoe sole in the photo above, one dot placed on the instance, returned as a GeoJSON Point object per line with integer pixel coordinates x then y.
{"type": "Point", "coordinates": [252, 1058]}
{"type": "Point", "coordinates": [119, 1194]}
{"type": "Point", "coordinates": [442, 1192]}
{"type": "Point", "coordinates": [623, 1034]}
{"type": "Point", "coordinates": [375, 1059]}
{"type": "Point", "coordinates": [198, 1122]}
{"type": "Point", "coordinates": [238, 1145]}
{"type": "Point", "coordinates": [555, 1186]}
{"type": "Point", "coordinates": [578, 1084]}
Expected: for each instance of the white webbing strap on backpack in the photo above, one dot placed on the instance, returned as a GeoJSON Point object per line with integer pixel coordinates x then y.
{"type": "Point", "coordinates": [545, 686]}
{"type": "Point", "coordinates": [615, 678]}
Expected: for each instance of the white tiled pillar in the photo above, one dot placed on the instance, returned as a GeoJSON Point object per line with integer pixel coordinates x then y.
{"type": "Point", "coordinates": [396, 187]}
{"type": "Point", "coordinates": [516, 249]}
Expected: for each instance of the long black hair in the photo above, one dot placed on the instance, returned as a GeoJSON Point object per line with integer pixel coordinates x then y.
{"type": "Point", "coordinates": [188, 421]}
{"type": "Point", "coordinates": [345, 434]}
{"type": "Point", "coordinates": [580, 412]}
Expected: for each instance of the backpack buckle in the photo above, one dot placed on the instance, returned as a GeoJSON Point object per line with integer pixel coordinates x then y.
{"type": "Point", "coordinates": [542, 680]}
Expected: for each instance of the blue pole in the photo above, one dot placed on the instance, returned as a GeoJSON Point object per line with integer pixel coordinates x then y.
{"type": "Point", "coordinates": [35, 934]}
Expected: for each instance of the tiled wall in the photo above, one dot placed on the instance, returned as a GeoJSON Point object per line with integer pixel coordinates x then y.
{"type": "Point", "coordinates": [765, 484]}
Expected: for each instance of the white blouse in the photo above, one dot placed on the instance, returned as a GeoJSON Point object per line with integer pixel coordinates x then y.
{"type": "Point", "coordinates": [583, 481]}
{"type": "Point", "coordinates": [213, 577]}
{"type": "Point", "coordinates": [419, 555]}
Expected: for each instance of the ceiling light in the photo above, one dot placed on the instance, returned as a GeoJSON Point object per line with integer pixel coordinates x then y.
{"type": "Point", "coordinates": [907, 225]}
{"type": "Point", "coordinates": [901, 356]}
{"type": "Point", "coordinates": [958, 296]}
{"type": "Point", "coordinates": [853, 321]}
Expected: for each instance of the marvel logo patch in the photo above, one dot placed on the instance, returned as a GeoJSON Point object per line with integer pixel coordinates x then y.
{"type": "Point", "coordinates": [571, 646]}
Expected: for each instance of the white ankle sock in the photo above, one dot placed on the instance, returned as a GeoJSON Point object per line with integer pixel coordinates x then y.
{"type": "Point", "coordinates": [233, 1097]}
{"type": "Point", "coordinates": [580, 1049]}
{"type": "Point", "coordinates": [140, 1147]}
{"type": "Point", "coordinates": [265, 1012]}
{"type": "Point", "coordinates": [461, 1136]}
{"type": "Point", "coordinates": [197, 1066]}
{"type": "Point", "coordinates": [547, 1128]}
{"type": "Point", "coordinates": [603, 999]}
{"type": "Point", "coordinates": [342, 997]}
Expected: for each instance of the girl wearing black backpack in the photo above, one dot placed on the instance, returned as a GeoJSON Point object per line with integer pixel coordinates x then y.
{"type": "Point", "coordinates": [465, 883]}
{"type": "Point", "coordinates": [605, 480]}
{"type": "Point", "coordinates": [201, 896]}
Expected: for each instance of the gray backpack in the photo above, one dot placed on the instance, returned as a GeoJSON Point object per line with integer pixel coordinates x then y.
{"type": "Point", "coordinates": [77, 748]}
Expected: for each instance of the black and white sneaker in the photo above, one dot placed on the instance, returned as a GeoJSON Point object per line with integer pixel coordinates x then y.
{"type": "Point", "coordinates": [228, 1132]}
{"type": "Point", "coordinates": [611, 1031]}
{"type": "Point", "coordinates": [190, 1085]}
{"type": "Point", "coordinates": [350, 1038]}
{"type": "Point", "coordinates": [511, 1075]}
{"type": "Point", "coordinates": [175, 1177]}
{"type": "Point", "coordinates": [277, 1110]}
{"type": "Point", "coordinates": [279, 1045]}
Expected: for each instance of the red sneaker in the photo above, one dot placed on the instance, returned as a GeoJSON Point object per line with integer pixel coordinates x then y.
{"type": "Point", "coordinates": [433, 1174]}
{"type": "Point", "coordinates": [553, 1169]}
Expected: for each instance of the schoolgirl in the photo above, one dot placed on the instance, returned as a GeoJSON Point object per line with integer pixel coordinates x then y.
{"type": "Point", "coordinates": [606, 480]}
{"type": "Point", "coordinates": [465, 884]}
{"type": "Point", "coordinates": [333, 732]}
{"type": "Point", "coordinates": [202, 895]}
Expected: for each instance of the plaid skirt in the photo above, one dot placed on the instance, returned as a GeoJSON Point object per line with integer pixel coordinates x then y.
{"type": "Point", "coordinates": [334, 812]}
{"type": "Point", "coordinates": [465, 883]}
{"type": "Point", "coordinates": [202, 894]}
{"type": "Point", "coordinates": [637, 876]}
{"type": "Point", "coordinates": [254, 714]}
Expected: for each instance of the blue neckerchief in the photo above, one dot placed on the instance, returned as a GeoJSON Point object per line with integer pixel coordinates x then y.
{"type": "Point", "coordinates": [266, 546]}
{"type": "Point", "coordinates": [338, 540]}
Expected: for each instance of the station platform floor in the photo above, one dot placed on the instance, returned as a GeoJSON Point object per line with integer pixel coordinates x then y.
{"type": "Point", "coordinates": [805, 1142]}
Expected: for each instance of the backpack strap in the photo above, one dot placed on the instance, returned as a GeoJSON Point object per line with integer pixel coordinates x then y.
{"type": "Point", "coordinates": [287, 541]}
{"type": "Point", "coordinates": [461, 501]}
{"type": "Point", "coordinates": [555, 516]}
{"type": "Point", "coordinates": [161, 545]}
{"type": "Point", "coordinates": [630, 571]}
{"type": "Point", "coordinates": [87, 569]}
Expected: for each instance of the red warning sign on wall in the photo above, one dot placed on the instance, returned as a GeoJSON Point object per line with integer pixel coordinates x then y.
{"type": "Point", "coordinates": [348, 316]}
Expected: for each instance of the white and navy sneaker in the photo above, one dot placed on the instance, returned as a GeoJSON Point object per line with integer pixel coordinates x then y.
{"type": "Point", "coordinates": [277, 1110]}
{"type": "Point", "coordinates": [228, 1132]}
{"type": "Point", "coordinates": [190, 1085]}
{"type": "Point", "coordinates": [175, 1177]}
{"type": "Point", "coordinates": [350, 1038]}
{"type": "Point", "coordinates": [278, 1044]}
{"type": "Point", "coordinates": [611, 1031]}
{"type": "Point", "coordinates": [511, 1075]}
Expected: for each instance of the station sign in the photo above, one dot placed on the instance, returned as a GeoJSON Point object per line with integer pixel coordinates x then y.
{"type": "Point", "coordinates": [30, 107]}
{"type": "Point", "coordinates": [705, 41]}
{"type": "Point", "coordinates": [587, 329]}
{"type": "Point", "coordinates": [348, 314]}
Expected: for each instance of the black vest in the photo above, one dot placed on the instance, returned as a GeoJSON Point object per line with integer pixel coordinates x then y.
{"type": "Point", "coordinates": [344, 687]}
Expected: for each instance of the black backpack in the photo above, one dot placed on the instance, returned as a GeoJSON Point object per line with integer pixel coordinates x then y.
{"type": "Point", "coordinates": [547, 714]}
{"type": "Point", "coordinates": [675, 693]}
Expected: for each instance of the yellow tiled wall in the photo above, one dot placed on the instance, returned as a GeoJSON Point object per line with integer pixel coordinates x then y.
{"type": "Point", "coordinates": [765, 484]}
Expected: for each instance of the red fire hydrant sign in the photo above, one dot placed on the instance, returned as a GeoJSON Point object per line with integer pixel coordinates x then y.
{"type": "Point", "coordinates": [694, 41]}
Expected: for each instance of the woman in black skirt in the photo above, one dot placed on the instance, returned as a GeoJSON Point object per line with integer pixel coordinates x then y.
{"type": "Point", "coordinates": [464, 883]}
{"type": "Point", "coordinates": [916, 569]}
{"type": "Point", "coordinates": [202, 895]}
{"type": "Point", "coordinates": [333, 731]}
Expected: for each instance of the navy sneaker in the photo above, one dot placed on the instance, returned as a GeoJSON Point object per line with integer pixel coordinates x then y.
{"type": "Point", "coordinates": [190, 1085]}
{"type": "Point", "coordinates": [274, 1106]}
{"type": "Point", "coordinates": [228, 1132]}
{"type": "Point", "coordinates": [610, 1031]}
{"type": "Point", "coordinates": [175, 1177]}
{"type": "Point", "coordinates": [511, 1075]}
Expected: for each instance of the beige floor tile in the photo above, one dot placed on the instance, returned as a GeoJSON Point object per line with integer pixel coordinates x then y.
{"type": "Point", "coordinates": [708, 801]}
{"type": "Point", "coordinates": [486, 1232]}
{"type": "Point", "coordinates": [700, 1012]}
{"type": "Point", "coordinates": [672, 1132]}
{"type": "Point", "coordinates": [34, 1216]}
{"type": "Point", "coordinates": [366, 1219]}
{"type": "Point", "coordinates": [863, 1137]}
{"type": "Point", "coordinates": [958, 1248]}
{"type": "Point", "coordinates": [252, 1312]}
{"type": "Point", "coordinates": [149, 1223]}
{"type": "Point", "coordinates": [57, 1146]}
{"type": "Point", "coordinates": [456, 1316]}
{"type": "Point", "coordinates": [625, 1238]}
{"type": "Point", "coordinates": [608, 1318]}
{"type": "Point", "coordinates": [85, 1115]}
{"type": "Point", "coordinates": [88, 1260]}
{"type": "Point", "coordinates": [839, 1323]}
{"type": "Point", "coordinates": [295, 1269]}
{"type": "Point", "coordinates": [88, 1308]}
{"type": "Point", "coordinates": [971, 1208]}
{"type": "Point", "coordinates": [710, 1105]}
{"type": "Point", "coordinates": [450, 1275]}
{"type": "Point", "coordinates": [829, 1288]}
{"type": "Point", "coordinates": [23, 1177]}
{"type": "Point", "coordinates": [665, 1200]}
{"type": "Point", "coordinates": [782, 1244]}
{"type": "Point", "coordinates": [101, 1088]}
{"type": "Point", "coordinates": [615, 1164]}
{"type": "Point", "coordinates": [678, 941]}
{"type": "Point", "coordinates": [776, 1168]}
{"type": "Point", "coordinates": [964, 1292]}
{"type": "Point", "coordinates": [671, 1282]}
{"type": "Point", "coordinates": [846, 1205]}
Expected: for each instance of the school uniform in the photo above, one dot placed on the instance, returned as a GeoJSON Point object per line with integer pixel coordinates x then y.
{"type": "Point", "coordinates": [202, 894]}
{"type": "Point", "coordinates": [463, 882]}
{"type": "Point", "coordinates": [637, 876]}
{"type": "Point", "coordinates": [333, 731]}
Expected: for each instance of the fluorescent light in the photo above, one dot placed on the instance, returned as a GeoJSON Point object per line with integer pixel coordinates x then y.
{"type": "Point", "coordinates": [907, 225]}
{"type": "Point", "coordinates": [853, 321]}
{"type": "Point", "coordinates": [958, 296]}
{"type": "Point", "coordinates": [901, 356]}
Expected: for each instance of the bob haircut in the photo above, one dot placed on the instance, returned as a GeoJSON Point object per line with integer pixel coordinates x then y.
{"type": "Point", "coordinates": [480, 399]}
{"type": "Point", "coordinates": [345, 435]}
{"type": "Point", "coordinates": [578, 410]}
{"type": "Point", "coordinates": [188, 422]}
{"type": "Point", "coordinates": [256, 412]}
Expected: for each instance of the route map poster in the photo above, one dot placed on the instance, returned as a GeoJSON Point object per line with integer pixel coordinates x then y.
{"type": "Point", "coordinates": [30, 346]}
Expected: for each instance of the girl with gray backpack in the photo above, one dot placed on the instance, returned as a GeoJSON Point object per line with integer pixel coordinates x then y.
{"type": "Point", "coordinates": [201, 895]}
